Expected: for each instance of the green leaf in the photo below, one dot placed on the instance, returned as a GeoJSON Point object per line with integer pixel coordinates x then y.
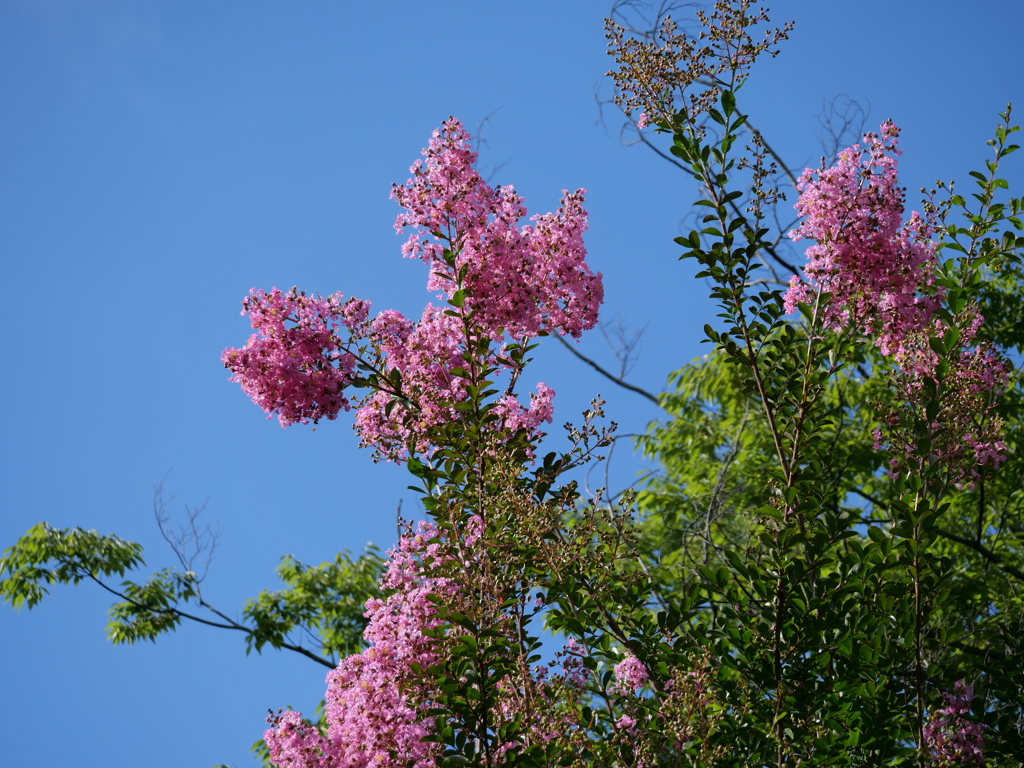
{"type": "Point", "coordinates": [728, 102]}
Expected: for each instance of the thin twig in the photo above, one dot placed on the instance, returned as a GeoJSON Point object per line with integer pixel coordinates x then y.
{"type": "Point", "coordinates": [610, 376]}
{"type": "Point", "coordinates": [230, 625]}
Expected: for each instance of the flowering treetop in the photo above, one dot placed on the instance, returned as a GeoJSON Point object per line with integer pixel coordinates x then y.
{"type": "Point", "coordinates": [877, 267]}
{"type": "Point", "coordinates": [502, 284]}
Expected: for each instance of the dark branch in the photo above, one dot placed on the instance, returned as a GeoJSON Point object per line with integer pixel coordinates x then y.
{"type": "Point", "coordinates": [231, 625]}
{"type": "Point", "coordinates": [610, 376]}
{"type": "Point", "coordinates": [982, 550]}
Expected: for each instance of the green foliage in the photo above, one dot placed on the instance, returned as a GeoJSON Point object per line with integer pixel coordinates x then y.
{"type": "Point", "coordinates": [839, 609]}
{"type": "Point", "coordinates": [329, 599]}
{"type": "Point", "coordinates": [323, 603]}
{"type": "Point", "coordinates": [45, 556]}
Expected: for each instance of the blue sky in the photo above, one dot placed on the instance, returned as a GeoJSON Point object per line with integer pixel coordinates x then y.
{"type": "Point", "coordinates": [161, 158]}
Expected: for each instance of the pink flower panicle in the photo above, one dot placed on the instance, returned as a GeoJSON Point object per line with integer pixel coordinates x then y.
{"type": "Point", "coordinates": [626, 723]}
{"type": "Point", "coordinates": [879, 273]}
{"type": "Point", "coordinates": [630, 676]}
{"type": "Point", "coordinates": [631, 673]}
{"type": "Point", "coordinates": [295, 743]}
{"type": "Point", "coordinates": [376, 702]}
{"type": "Point", "coordinates": [951, 739]}
{"type": "Point", "coordinates": [516, 417]}
{"type": "Point", "coordinates": [425, 354]}
{"type": "Point", "coordinates": [294, 365]}
{"type": "Point", "coordinates": [798, 293]}
{"type": "Point", "coordinates": [516, 281]}
{"type": "Point", "coordinates": [379, 702]}
{"type": "Point", "coordinates": [508, 283]}
{"type": "Point", "coordinates": [966, 436]}
{"type": "Point", "coordinates": [521, 281]}
{"type": "Point", "coordinates": [877, 268]}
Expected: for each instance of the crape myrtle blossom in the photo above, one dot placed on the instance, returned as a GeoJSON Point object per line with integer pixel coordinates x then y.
{"type": "Point", "coordinates": [380, 704]}
{"type": "Point", "coordinates": [515, 417]}
{"type": "Point", "coordinates": [631, 673]}
{"type": "Point", "coordinates": [546, 703]}
{"type": "Point", "coordinates": [877, 268]}
{"type": "Point", "coordinates": [376, 702]}
{"type": "Point", "coordinates": [507, 282]}
{"type": "Point", "coordinates": [879, 273]}
{"type": "Point", "coordinates": [518, 280]}
{"type": "Point", "coordinates": [952, 740]}
{"type": "Point", "coordinates": [296, 743]}
{"type": "Point", "coordinates": [296, 365]}
{"type": "Point", "coordinates": [630, 676]}
{"type": "Point", "coordinates": [965, 436]}
{"type": "Point", "coordinates": [427, 355]}
{"type": "Point", "coordinates": [666, 718]}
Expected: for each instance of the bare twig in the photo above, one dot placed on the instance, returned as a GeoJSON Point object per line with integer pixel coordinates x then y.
{"type": "Point", "coordinates": [838, 117]}
{"type": "Point", "coordinates": [643, 18]}
{"type": "Point", "coordinates": [624, 343]}
{"type": "Point", "coordinates": [479, 142]}
{"type": "Point", "coordinates": [607, 375]}
{"type": "Point", "coordinates": [192, 544]}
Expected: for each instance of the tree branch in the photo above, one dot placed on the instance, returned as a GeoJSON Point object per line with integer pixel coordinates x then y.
{"type": "Point", "coordinates": [982, 550]}
{"type": "Point", "coordinates": [610, 376]}
{"type": "Point", "coordinates": [231, 625]}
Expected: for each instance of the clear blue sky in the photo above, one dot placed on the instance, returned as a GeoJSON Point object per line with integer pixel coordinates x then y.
{"type": "Point", "coordinates": [161, 158]}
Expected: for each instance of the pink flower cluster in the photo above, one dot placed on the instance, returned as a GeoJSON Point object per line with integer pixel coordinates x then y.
{"type": "Point", "coordinates": [520, 281]}
{"type": "Point", "coordinates": [545, 703]}
{"type": "Point", "coordinates": [295, 743]}
{"type": "Point", "coordinates": [951, 739]}
{"type": "Point", "coordinates": [877, 269]}
{"type": "Point", "coordinates": [380, 703]}
{"type": "Point", "coordinates": [505, 282]}
{"type": "Point", "coordinates": [630, 676]}
{"type": "Point", "coordinates": [515, 417]}
{"type": "Point", "coordinates": [513, 281]}
{"type": "Point", "coordinates": [631, 673]}
{"type": "Point", "coordinates": [427, 354]}
{"type": "Point", "coordinates": [377, 700]}
{"type": "Point", "coordinates": [295, 365]}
